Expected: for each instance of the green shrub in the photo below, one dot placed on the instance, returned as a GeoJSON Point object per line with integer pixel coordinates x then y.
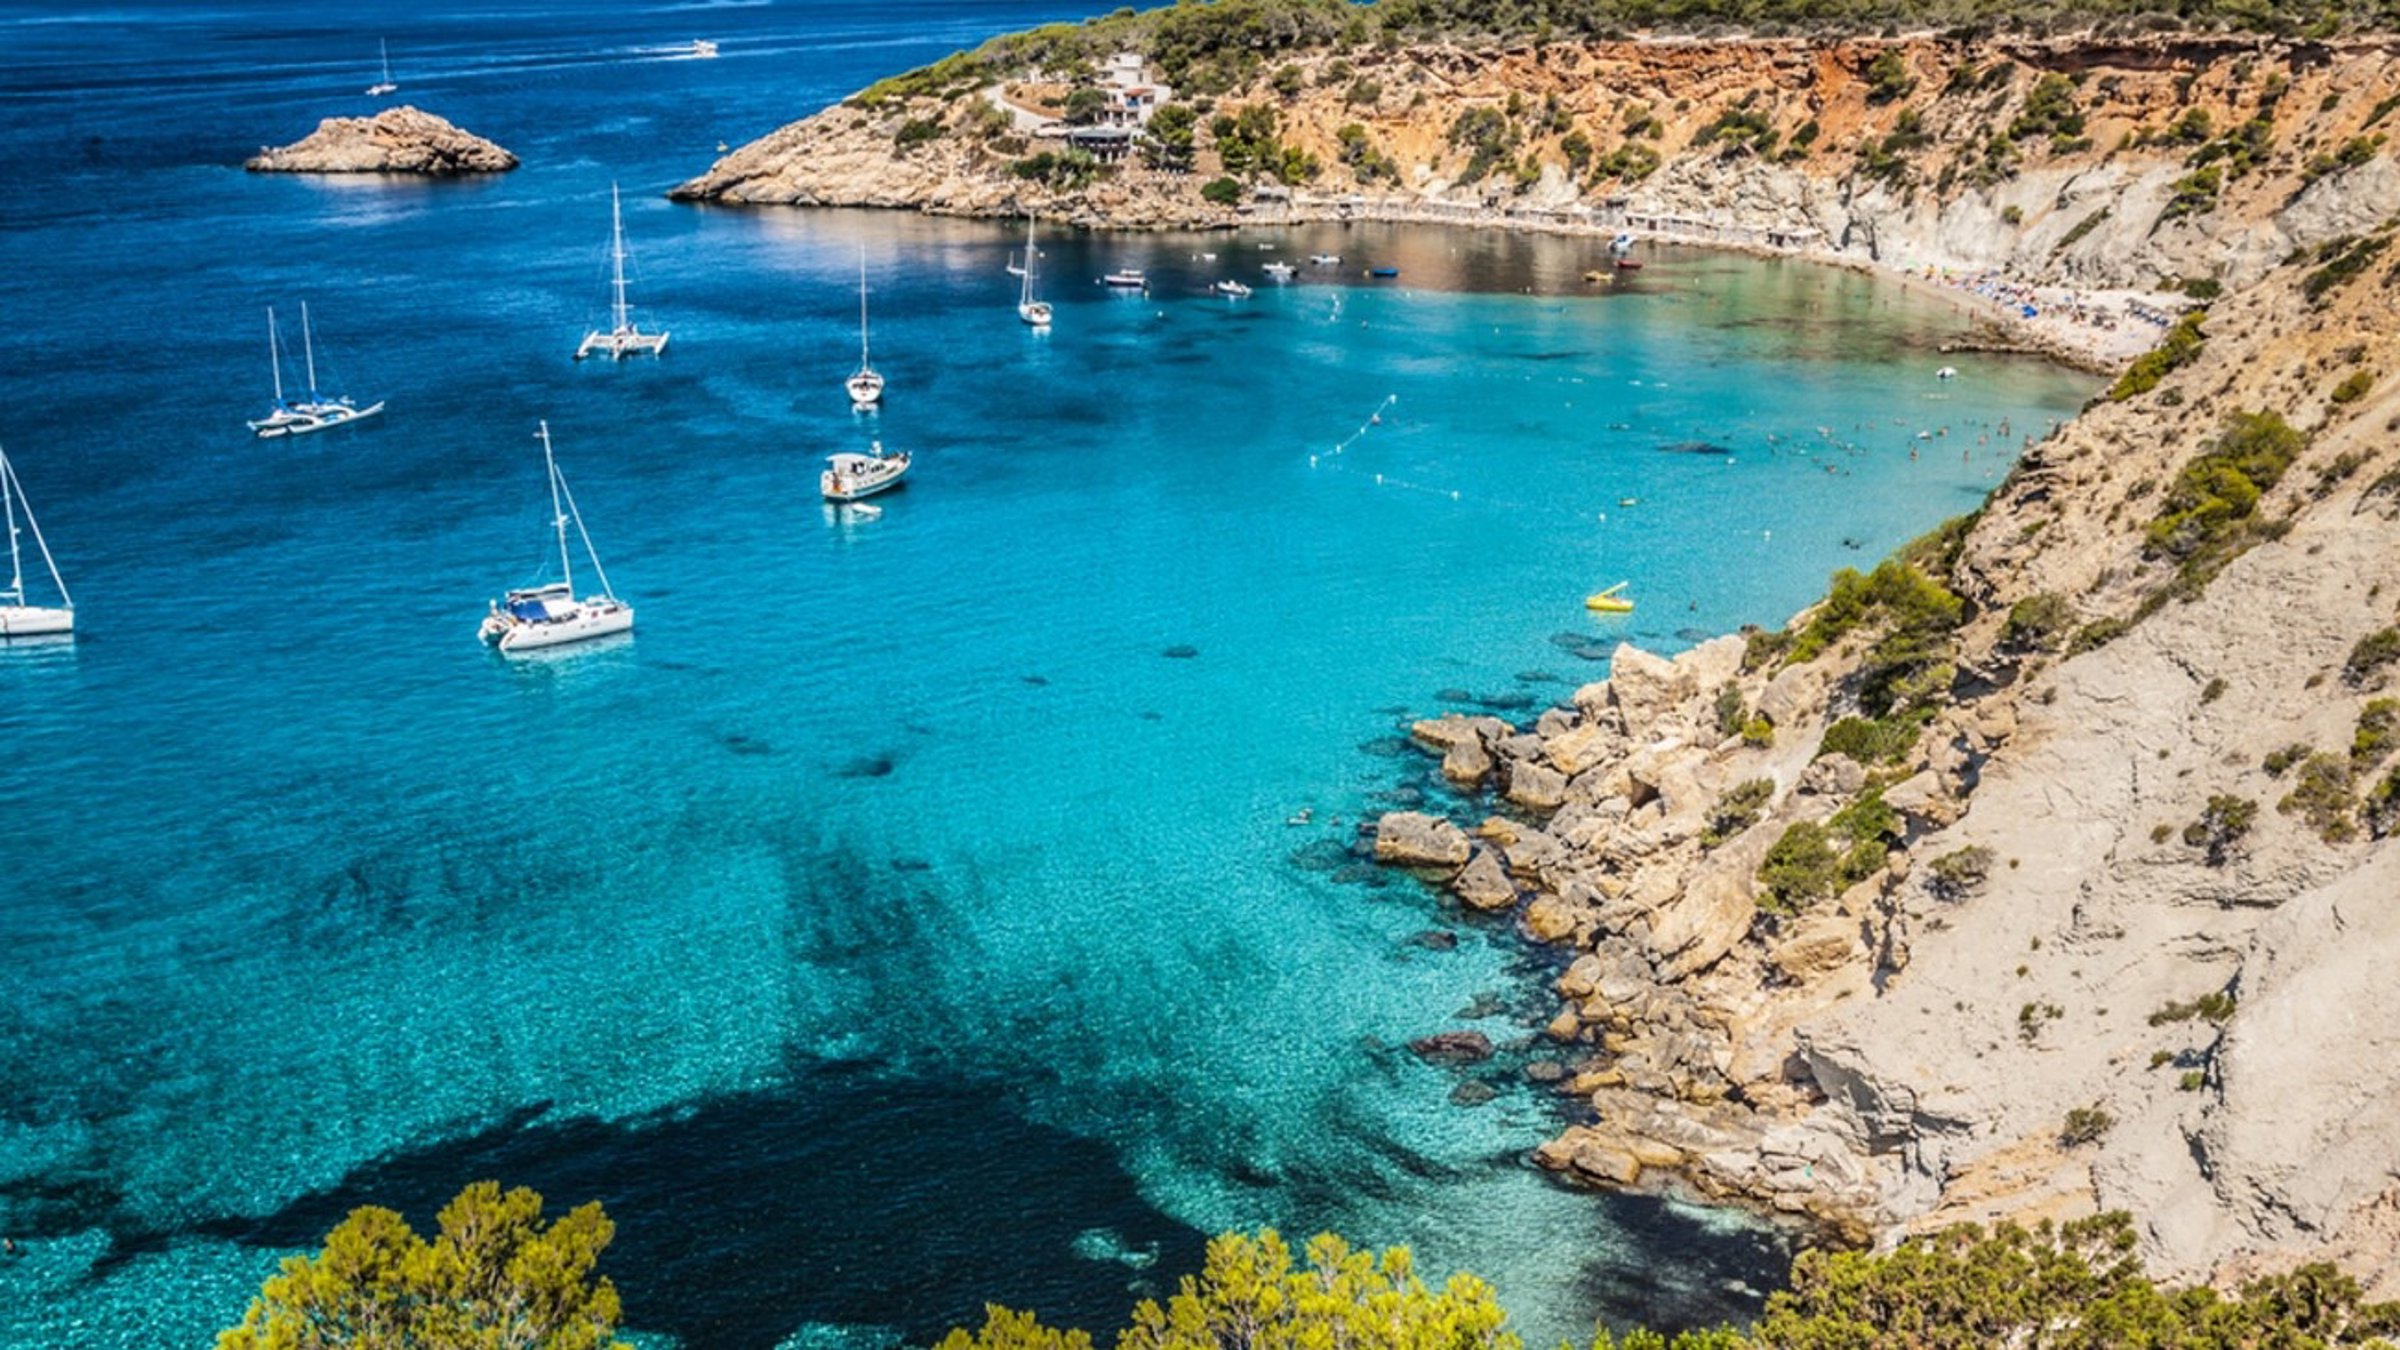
{"type": "Point", "coordinates": [1362, 90]}
{"type": "Point", "coordinates": [1895, 594]}
{"type": "Point", "coordinates": [1221, 192]}
{"type": "Point", "coordinates": [1871, 740]}
{"type": "Point", "coordinates": [1630, 162]}
{"type": "Point", "coordinates": [2277, 761]}
{"type": "Point", "coordinates": [2085, 1125]}
{"type": "Point", "coordinates": [2369, 656]}
{"type": "Point", "coordinates": [2194, 193]}
{"type": "Point", "coordinates": [1816, 862]}
{"type": "Point", "coordinates": [2221, 825]}
{"type": "Point", "coordinates": [2179, 348]}
{"type": "Point", "coordinates": [2213, 690]}
{"type": "Point", "coordinates": [1763, 647]}
{"type": "Point", "coordinates": [2050, 110]}
{"type": "Point", "coordinates": [1739, 129]}
{"type": "Point", "coordinates": [2321, 795]}
{"type": "Point", "coordinates": [2036, 622]}
{"type": "Point", "coordinates": [916, 131]}
{"type": "Point", "coordinates": [2214, 1007]}
{"type": "Point", "coordinates": [2192, 1081]}
{"type": "Point", "coordinates": [1068, 169]}
{"type": "Point", "coordinates": [1738, 810]}
{"type": "Point", "coordinates": [2095, 635]}
{"type": "Point", "coordinates": [1758, 732]}
{"type": "Point", "coordinates": [1732, 712]}
{"type": "Point", "coordinates": [2079, 229]}
{"type": "Point", "coordinates": [2012, 215]}
{"type": "Point", "coordinates": [1961, 872]}
{"type": "Point", "coordinates": [1888, 80]}
{"type": "Point", "coordinates": [2208, 516]}
{"type": "Point", "coordinates": [2353, 387]}
{"type": "Point", "coordinates": [2378, 728]}
{"type": "Point", "coordinates": [2379, 810]}
{"type": "Point", "coordinates": [2340, 265]}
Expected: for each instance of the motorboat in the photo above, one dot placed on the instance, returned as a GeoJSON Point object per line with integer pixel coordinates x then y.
{"type": "Point", "coordinates": [1384, 273]}
{"type": "Point", "coordinates": [1232, 289]}
{"type": "Point", "coordinates": [1126, 279]}
{"type": "Point", "coordinates": [1277, 271]}
{"type": "Point", "coordinates": [853, 477]}
{"type": "Point", "coordinates": [1324, 259]}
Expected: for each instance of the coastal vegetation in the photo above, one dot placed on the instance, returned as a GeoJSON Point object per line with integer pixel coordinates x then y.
{"type": "Point", "coordinates": [2071, 1286]}
{"type": "Point", "coordinates": [494, 1275]}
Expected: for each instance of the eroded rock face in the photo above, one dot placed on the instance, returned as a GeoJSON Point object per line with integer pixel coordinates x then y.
{"type": "Point", "coordinates": [1414, 839]}
{"type": "Point", "coordinates": [396, 140]}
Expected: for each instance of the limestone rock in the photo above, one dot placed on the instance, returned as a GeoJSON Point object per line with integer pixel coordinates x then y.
{"type": "Point", "coordinates": [1483, 883]}
{"type": "Point", "coordinates": [396, 140]}
{"type": "Point", "coordinates": [1452, 1047]}
{"type": "Point", "coordinates": [1414, 839]}
{"type": "Point", "coordinates": [1536, 786]}
{"type": "Point", "coordinates": [1646, 689]}
{"type": "Point", "coordinates": [1467, 763]}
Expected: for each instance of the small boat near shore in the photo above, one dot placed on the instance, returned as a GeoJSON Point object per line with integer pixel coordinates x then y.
{"type": "Point", "coordinates": [1383, 273]}
{"type": "Point", "coordinates": [1233, 290]}
{"type": "Point", "coordinates": [1610, 600]}
{"type": "Point", "coordinates": [1126, 279]}
{"type": "Point", "coordinates": [17, 618]}
{"type": "Point", "coordinates": [853, 477]}
{"type": "Point", "coordinates": [1277, 271]}
{"type": "Point", "coordinates": [1629, 265]}
{"type": "Point", "coordinates": [1324, 259]}
{"type": "Point", "coordinates": [549, 615]}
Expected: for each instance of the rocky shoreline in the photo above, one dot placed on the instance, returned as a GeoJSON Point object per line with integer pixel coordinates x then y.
{"type": "Point", "coordinates": [396, 140]}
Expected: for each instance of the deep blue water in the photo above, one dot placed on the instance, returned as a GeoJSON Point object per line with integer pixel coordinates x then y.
{"type": "Point", "coordinates": [892, 925]}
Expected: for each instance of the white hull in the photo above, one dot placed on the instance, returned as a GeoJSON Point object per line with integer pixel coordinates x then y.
{"type": "Point", "coordinates": [1036, 313]}
{"type": "Point", "coordinates": [592, 622]}
{"type": "Point", "coordinates": [850, 478]}
{"type": "Point", "coordinates": [32, 621]}
{"type": "Point", "coordinates": [624, 342]}
{"type": "Point", "coordinates": [379, 90]}
{"type": "Point", "coordinates": [866, 389]}
{"type": "Point", "coordinates": [322, 417]}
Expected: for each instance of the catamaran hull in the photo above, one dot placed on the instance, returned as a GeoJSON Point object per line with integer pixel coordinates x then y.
{"type": "Point", "coordinates": [324, 421]}
{"type": "Point", "coordinates": [526, 637]}
{"type": "Point", "coordinates": [33, 620]}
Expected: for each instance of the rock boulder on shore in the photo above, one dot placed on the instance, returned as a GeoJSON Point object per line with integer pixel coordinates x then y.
{"type": "Point", "coordinates": [396, 140]}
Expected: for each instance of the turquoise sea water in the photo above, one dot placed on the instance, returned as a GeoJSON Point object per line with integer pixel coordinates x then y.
{"type": "Point", "coordinates": [907, 917]}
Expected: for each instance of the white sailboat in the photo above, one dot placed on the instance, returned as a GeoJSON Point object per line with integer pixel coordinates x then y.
{"type": "Point", "coordinates": [865, 386]}
{"type": "Point", "coordinates": [384, 86]}
{"type": "Point", "coordinates": [282, 416]}
{"type": "Point", "coordinates": [18, 619]}
{"type": "Point", "coordinates": [550, 615]}
{"type": "Point", "coordinates": [318, 411]}
{"type": "Point", "coordinates": [1032, 311]}
{"type": "Point", "coordinates": [622, 339]}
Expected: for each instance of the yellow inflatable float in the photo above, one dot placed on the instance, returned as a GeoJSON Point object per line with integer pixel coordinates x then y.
{"type": "Point", "coordinates": [1609, 601]}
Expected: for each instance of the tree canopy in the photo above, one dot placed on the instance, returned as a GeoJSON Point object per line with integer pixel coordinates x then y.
{"type": "Point", "coordinates": [493, 1278]}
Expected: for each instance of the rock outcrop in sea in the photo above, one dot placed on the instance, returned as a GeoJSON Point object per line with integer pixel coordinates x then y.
{"type": "Point", "coordinates": [396, 140]}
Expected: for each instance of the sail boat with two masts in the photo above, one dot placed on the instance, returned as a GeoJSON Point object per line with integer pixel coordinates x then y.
{"type": "Point", "coordinates": [622, 339]}
{"type": "Point", "coordinates": [550, 615]}
{"type": "Point", "coordinates": [1032, 311]}
{"type": "Point", "coordinates": [865, 386]}
{"type": "Point", "coordinates": [316, 412]}
{"type": "Point", "coordinates": [17, 618]}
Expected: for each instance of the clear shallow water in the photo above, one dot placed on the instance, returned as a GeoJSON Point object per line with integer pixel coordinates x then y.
{"type": "Point", "coordinates": [892, 925]}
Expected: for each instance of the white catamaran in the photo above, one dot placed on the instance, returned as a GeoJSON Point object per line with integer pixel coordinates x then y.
{"type": "Point", "coordinates": [18, 619]}
{"type": "Point", "coordinates": [866, 387]}
{"type": "Point", "coordinates": [316, 412]}
{"type": "Point", "coordinates": [1032, 311]}
{"type": "Point", "coordinates": [622, 339]}
{"type": "Point", "coordinates": [549, 615]}
{"type": "Point", "coordinates": [384, 86]}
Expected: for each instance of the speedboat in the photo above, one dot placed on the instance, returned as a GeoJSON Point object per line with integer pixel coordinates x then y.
{"type": "Point", "coordinates": [850, 478]}
{"type": "Point", "coordinates": [1324, 259]}
{"type": "Point", "coordinates": [1126, 279]}
{"type": "Point", "coordinates": [701, 49]}
{"type": "Point", "coordinates": [1277, 271]}
{"type": "Point", "coordinates": [1232, 289]}
{"type": "Point", "coordinates": [1386, 273]}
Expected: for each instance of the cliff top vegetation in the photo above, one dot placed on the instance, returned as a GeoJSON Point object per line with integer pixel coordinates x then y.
{"type": "Point", "coordinates": [1209, 45]}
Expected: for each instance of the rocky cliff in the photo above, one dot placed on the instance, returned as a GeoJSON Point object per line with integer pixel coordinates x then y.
{"type": "Point", "coordinates": [396, 140]}
{"type": "Point", "coordinates": [2107, 164]}
{"type": "Point", "coordinates": [2045, 870]}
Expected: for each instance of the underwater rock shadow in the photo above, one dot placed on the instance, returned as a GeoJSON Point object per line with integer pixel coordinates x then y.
{"type": "Point", "coordinates": [850, 1196]}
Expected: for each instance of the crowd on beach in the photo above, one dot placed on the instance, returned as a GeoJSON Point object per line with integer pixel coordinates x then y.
{"type": "Point", "coordinates": [2024, 300]}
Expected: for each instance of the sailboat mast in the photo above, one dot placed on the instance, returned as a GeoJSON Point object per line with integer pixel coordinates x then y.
{"type": "Point", "coordinates": [384, 44]}
{"type": "Point", "coordinates": [14, 491]}
{"type": "Point", "coordinates": [616, 217]}
{"type": "Point", "coordinates": [862, 306]}
{"type": "Point", "coordinates": [15, 594]}
{"type": "Point", "coordinates": [309, 345]}
{"type": "Point", "coordinates": [274, 356]}
{"type": "Point", "coordinates": [1027, 297]}
{"type": "Point", "coordinates": [558, 512]}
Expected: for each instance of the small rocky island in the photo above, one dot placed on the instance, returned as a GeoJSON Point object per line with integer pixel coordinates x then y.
{"type": "Point", "coordinates": [396, 140]}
